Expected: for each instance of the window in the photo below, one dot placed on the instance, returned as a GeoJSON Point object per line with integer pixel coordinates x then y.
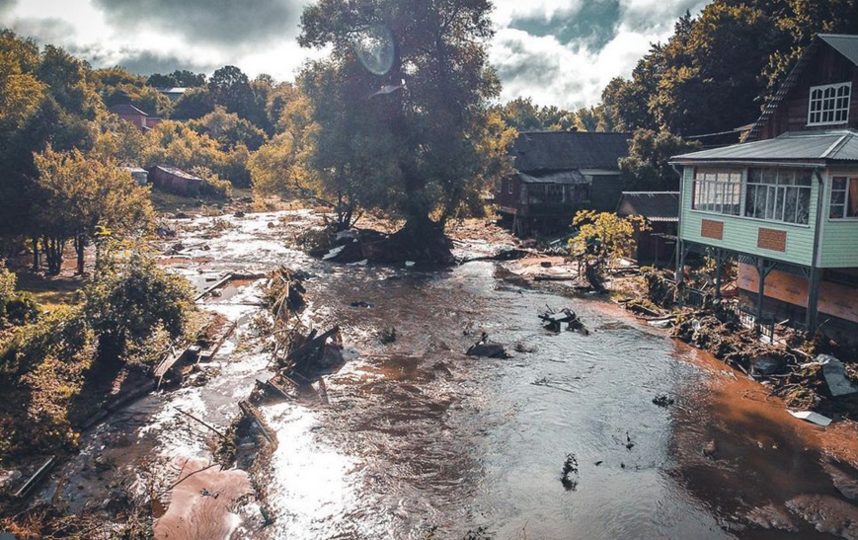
{"type": "Point", "coordinates": [844, 198]}
{"type": "Point", "coordinates": [829, 104]}
{"type": "Point", "coordinates": [717, 190]}
{"type": "Point", "coordinates": [509, 186]}
{"type": "Point", "coordinates": [779, 195]}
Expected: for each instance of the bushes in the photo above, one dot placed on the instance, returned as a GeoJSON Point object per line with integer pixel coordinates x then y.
{"type": "Point", "coordinates": [130, 303]}
{"type": "Point", "coordinates": [16, 308]}
{"type": "Point", "coordinates": [55, 371]}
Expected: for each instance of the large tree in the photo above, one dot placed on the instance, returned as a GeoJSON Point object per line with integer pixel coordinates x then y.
{"type": "Point", "coordinates": [413, 83]}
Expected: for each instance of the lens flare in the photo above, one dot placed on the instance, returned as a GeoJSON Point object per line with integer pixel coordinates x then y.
{"type": "Point", "coordinates": [375, 48]}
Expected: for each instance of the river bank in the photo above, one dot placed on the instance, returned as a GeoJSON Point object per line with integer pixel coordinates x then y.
{"type": "Point", "coordinates": [417, 440]}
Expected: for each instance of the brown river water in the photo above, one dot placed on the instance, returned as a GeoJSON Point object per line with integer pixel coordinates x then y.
{"type": "Point", "coordinates": [419, 441]}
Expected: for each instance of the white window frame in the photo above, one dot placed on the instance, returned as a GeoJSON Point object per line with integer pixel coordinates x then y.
{"type": "Point", "coordinates": [834, 109]}
{"type": "Point", "coordinates": [842, 206]}
{"type": "Point", "coordinates": [773, 192]}
{"type": "Point", "coordinates": [717, 190]}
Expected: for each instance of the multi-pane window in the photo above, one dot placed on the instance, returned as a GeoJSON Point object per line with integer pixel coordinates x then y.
{"type": "Point", "coordinates": [829, 104]}
{"type": "Point", "coordinates": [779, 195]}
{"type": "Point", "coordinates": [718, 190]}
{"type": "Point", "coordinates": [844, 198]}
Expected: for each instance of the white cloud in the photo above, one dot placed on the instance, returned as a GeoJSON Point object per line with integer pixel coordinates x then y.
{"type": "Point", "coordinates": [506, 11]}
{"type": "Point", "coordinates": [551, 71]}
{"type": "Point", "coordinates": [573, 74]}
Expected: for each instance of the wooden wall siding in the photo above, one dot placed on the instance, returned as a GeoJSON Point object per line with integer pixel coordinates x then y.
{"type": "Point", "coordinates": [771, 239]}
{"type": "Point", "coordinates": [839, 246]}
{"type": "Point", "coordinates": [834, 299]}
{"type": "Point", "coordinates": [741, 234]}
{"type": "Point", "coordinates": [829, 67]}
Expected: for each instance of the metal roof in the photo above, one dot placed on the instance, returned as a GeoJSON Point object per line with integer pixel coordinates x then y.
{"type": "Point", "coordinates": [845, 44]}
{"type": "Point", "coordinates": [539, 151]}
{"type": "Point", "coordinates": [839, 145]}
{"type": "Point", "coordinates": [656, 206]}
{"type": "Point", "coordinates": [562, 177]}
{"type": "Point", "coordinates": [178, 173]}
{"type": "Point", "coordinates": [126, 108]}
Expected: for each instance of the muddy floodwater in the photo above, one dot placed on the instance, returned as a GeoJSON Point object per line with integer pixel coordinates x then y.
{"type": "Point", "coordinates": [419, 441]}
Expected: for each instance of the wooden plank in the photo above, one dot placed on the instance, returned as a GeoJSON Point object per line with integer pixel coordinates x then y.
{"type": "Point", "coordinates": [248, 410]}
{"type": "Point", "coordinates": [220, 283]}
{"type": "Point", "coordinates": [37, 477]}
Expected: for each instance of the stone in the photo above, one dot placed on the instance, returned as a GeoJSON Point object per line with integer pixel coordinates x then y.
{"type": "Point", "coordinates": [834, 373]}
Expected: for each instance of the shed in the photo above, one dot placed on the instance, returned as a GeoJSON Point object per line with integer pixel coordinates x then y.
{"type": "Point", "coordinates": [661, 211]}
{"type": "Point", "coordinates": [175, 181]}
{"type": "Point", "coordinates": [138, 174]}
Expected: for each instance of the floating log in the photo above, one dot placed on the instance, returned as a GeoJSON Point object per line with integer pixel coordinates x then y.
{"type": "Point", "coordinates": [220, 283]}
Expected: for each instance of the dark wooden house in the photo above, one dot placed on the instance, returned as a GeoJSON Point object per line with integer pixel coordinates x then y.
{"type": "Point", "coordinates": [660, 209]}
{"type": "Point", "coordinates": [130, 113]}
{"type": "Point", "coordinates": [558, 174]}
{"type": "Point", "coordinates": [175, 181]}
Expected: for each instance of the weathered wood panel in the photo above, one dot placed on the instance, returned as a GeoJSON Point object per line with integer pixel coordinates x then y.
{"type": "Point", "coordinates": [834, 299]}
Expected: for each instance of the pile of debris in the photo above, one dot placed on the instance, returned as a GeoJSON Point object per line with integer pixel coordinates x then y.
{"type": "Point", "coordinates": [821, 383]}
{"type": "Point", "coordinates": [284, 292]}
{"type": "Point", "coordinates": [554, 320]}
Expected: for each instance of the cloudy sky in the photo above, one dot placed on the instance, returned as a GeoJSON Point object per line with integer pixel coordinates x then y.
{"type": "Point", "coordinates": [559, 52]}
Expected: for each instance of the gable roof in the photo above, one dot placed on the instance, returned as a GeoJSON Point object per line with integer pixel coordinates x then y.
{"type": "Point", "coordinates": [178, 173]}
{"type": "Point", "coordinates": [845, 44]}
{"type": "Point", "coordinates": [536, 151]}
{"type": "Point", "coordinates": [653, 205]}
{"type": "Point", "coordinates": [835, 145]}
{"type": "Point", "coordinates": [126, 108]}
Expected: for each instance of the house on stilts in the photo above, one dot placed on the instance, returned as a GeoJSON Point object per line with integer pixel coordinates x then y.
{"type": "Point", "coordinates": [784, 203]}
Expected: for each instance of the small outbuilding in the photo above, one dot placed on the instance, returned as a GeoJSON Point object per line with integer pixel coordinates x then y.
{"type": "Point", "coordinates": [138, 174]}
{"type": "Point", "coordinates": [175, 181]}
{"type": "Point", "coordinates": [660, 209]}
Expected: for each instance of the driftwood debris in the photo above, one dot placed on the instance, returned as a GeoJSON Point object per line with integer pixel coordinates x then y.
{"type": "Point", "coordinates": [37, 477]}
{"type": "Point", "coordinates": [249, 411]}
{"type": "Point", "coordinates": [310, 356]}
{"type": "Point", "coordinates": [553, 320]}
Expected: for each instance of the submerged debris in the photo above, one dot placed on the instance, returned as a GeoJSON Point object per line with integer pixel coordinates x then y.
{"type": "Point", "coordinates": [487, 349]}
{"type": "Point", "coordinates": [569, 475]}
{"type": "Point", "coordinates": [553, 320]}
{"type": "Point", "coordinates": [663, 400]}
{"type": "Point", "coordinates": [387, 336]}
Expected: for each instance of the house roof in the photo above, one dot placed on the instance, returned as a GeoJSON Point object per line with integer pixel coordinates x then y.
{"type": "Point", "coordinates": [178, 173]}
{"type": "Point", "coordinates": [653, 205]}
{"type": "Point", "coordinates": [567, 150]}
{"type": "Point", "coordinates": [845, 44]}
{"type": "Point", "coordinates": [562, 177]}
{"type": "Point", "coordinates": [825, 146]}
{"type": "Point", "coordinates": [174, 90]}
{"type": "Point", "coordinates": [126, 108]}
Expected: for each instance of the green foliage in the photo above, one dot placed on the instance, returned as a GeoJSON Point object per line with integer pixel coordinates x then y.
{"type": "Point", "coordinates": [179, 78]}
{"type": "Point", "coordinates": [604, 237]}
{"type": "Point", "coordinates": [647, 168]}
{"type": "Point", "coordinates": [523, 115]}
{"type": "Point", "coordinates": [213, 186]}
{"type": "Point", "coordinates": [194, 103]}
{"type": "Point", "coordinates": [414, 151]}
{"type": "Point", "coordinates": [131, 302]}
{"type": "Point", "coordinates": [229, 130]}
{"type": "Point", "coordinates": [16, 308]}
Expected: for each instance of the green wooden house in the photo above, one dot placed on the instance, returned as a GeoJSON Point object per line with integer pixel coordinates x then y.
{"type": "Point", "coordinates": [785, 201]}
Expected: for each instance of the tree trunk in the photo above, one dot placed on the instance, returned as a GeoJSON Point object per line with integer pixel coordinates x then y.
{"type": "Point", "coordinates": [36, 253]}
{"type": "Point", "coordinates": [54, 248]}
{"type": "Point", "coordinates": [80, 248]}
{"type": "Point", "coordinates": [421, 240]}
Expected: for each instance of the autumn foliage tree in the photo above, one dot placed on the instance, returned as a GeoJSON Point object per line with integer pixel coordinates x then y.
{"type": "Point", "coordinates": [81, 196]}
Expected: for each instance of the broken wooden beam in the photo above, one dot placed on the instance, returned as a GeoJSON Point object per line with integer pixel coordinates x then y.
{"type": "Point", "coordinates": [249, 411]}
{"type": "Point", "coordinates": [37, 477]}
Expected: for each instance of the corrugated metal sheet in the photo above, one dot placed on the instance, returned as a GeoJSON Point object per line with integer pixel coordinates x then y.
{"type": "Point", "coordinates": [563, 177]}
{"type": "Point", "coordinates": [654, 205]}
{"type": "Point", "coordinates": [847, 45]}
{"type": "Point", "coordinates": [841, 145]}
